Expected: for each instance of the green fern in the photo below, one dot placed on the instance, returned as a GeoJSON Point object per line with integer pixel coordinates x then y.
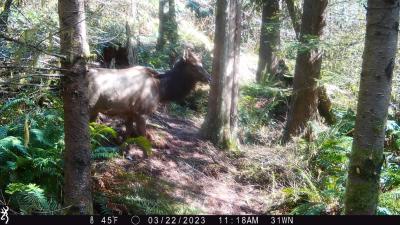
{"type": "Point", "coordinates": [390, 201]}
{"type": "Point", "coordinates": [13, 104]}
{"type": "Point", "coordinates": [100, 201]}
{"type": "Point", "coordinates": [141, 142]}
{"type": "Point", "coordinates": [3, 131]}
{"type": "Point", "coordinates": [105, 152]}
{"type": "Point", "coordinates": [309, 209]}
{"type": "Point", "coordinates": [30, 199]}
{"type": "Point", "coordinates": [14, 144]}
{"type": "Point", "coordinates": [101, 133]}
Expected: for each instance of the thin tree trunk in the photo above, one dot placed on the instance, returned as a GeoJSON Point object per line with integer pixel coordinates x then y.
{"type": "Point", "coordinates": [308, 67]}
{"type": "Point", "coordinates": [4, 15]}
{"type": "Point", "coordinates": [168, 28]}
{"type": "Point", "coordinates": [366, 158]}
{"type": "Point", "coordinates": [161, 27]}
{"type": "Point", "coordinates": [77, 156]}
{"type": "Point", "coordinates": [269, 40]}
{"type": "Point", "coordinates": [235, 81]}
{"type": "Point", "coordinates": [130, 34]}
{"type": "Point", "coordinates": [172, 25]}
{"type": "Point", "coordinates": [295, 16]}
{"type": "Point", "coordinates": [220, 122]}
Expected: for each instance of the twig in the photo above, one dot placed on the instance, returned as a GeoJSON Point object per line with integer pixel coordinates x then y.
{"type": "Point", "coordinates": [38, 75]}
{"type": "Point", "coordinates": [12, 83]}
{"type": "Point", "coordinates": [33, 68]}
{"type": "Point", "coordinates": [7, 38]}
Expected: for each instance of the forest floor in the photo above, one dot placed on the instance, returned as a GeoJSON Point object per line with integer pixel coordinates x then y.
{"type": "Point", "coordinates": [188, 170]}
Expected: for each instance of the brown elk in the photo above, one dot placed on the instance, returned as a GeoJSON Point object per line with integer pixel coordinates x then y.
{"type": "Point", "coordinates": [134, 93]}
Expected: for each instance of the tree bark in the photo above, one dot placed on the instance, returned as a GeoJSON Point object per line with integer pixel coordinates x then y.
{"type": "Point", "coordinates": [269, 40]}
{"type": "Point", "coordinates": [168, 28]}
{"type": "Point", "coordinates": [221, 118]}
{"type": "Point", "coordinates": [172, 25]}
{"type": "Point", "coordinates": [304, 100]}
{"type": "Point", "coordinates": [161, 27]}
{"type": "Point", "coordinates": [130, 34]}
{"type": "Point", "coordinates": [4, 15]}
{"type": "Point", "coordinates": [324, 103]}
{"type": "Point", "coordinates": [295, 16]}
{"type": "Point", "coordinates": [77, 156]}
{"type": "Point", "coordinates": [325, 106]}
{"type": "Point", "coordinates": [366, 158]}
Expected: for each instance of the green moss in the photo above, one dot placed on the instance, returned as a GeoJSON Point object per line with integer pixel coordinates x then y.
{"type": "Point", "coordinates": [361, 196]}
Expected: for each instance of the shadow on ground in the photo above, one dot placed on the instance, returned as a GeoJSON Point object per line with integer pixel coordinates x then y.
{"type": "Point", "coordinates": [189, 176]}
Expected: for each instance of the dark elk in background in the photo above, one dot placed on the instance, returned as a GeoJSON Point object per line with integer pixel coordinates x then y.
{"type": "Point", "coordinates": [114, 56]}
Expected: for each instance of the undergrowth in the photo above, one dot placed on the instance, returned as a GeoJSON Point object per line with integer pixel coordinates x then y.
{"type": "Point", "coordinates": [318, 186]}
{"type": "Point", "coordinates": [139, 194]}
{"type": "Point", "coordinates": [259, 106]}
{"type": "Point", "coordinates": [31, 153]}
{"type": "Point", "coordinates": [322, 187]}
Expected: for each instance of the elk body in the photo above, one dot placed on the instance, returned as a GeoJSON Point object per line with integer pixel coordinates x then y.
{"type": "Point", "coordinates": [134, 93]}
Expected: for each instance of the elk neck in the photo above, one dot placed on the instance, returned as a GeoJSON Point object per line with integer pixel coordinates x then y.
{"type": "Point", "coordinates": [176, 84]}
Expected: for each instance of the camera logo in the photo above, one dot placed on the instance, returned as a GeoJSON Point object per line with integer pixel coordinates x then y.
{"type": "Point", "coordinates": [4, 214]}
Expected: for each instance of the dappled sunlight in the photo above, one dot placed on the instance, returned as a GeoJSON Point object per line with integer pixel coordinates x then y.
{"type": "Point", "coordinates": [247, 68]}
{"type": "Point", "coordinates": [195, 171]}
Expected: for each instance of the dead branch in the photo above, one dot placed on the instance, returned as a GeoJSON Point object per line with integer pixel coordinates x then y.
{"type": "Point", "coordinates": [7, 38]}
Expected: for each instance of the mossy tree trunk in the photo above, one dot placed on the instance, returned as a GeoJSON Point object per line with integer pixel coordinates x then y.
{"type": "Point", "coordinates": [161, 26]}
{"type": "Point", "coordinates": [362, 189]}
{"type": "Point", "coordinates": [269, 40]}
{"type": "Point", "coordinates": [4, 15]}
{"type": "Point", "coordinates": [77, 155]}
{"type": "Point", "coordinates": [324, 102]}
{"type": "Point", "coordinates": [172, 28]}
{"type": "Point", "coordinates": [304, 100]}
{"type": "Point", "coordinates": [221, 119]}
{"type": "Point", "coordinates": [168, 28]}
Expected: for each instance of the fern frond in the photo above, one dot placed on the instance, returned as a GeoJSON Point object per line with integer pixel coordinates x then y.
{"type": "Point", "coordinates": [142, 142]}
{"type": "Point", "coordinates": [105, 152]}
{"type": "Point", "coordinates": [29, 197]}
{"type": "Point", "coordinates": [13, 104]}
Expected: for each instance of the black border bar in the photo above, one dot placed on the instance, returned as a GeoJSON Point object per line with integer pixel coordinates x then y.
{"type": "Point", "coordinates": [203, 220]}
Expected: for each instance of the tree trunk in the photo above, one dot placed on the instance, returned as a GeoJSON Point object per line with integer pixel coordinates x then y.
{"type": "Point", "coordinates": [221, 119]}
{"type": "Point", "coordinates": [4, 15]}
{"type": "Point", "coordinates": [161, 27]}
{"type": "Point", "coordinates": [366, 158]}
{"type": "Point", "coordinates": [324, 103]}
{"type": "Point", "coordinates": [325, 106]}
{"type": "Point", "coordinates": [130, 34]}
{"type": "Point", "coordinates": [295, 16]}
{"type": "Point", "coordinates": [168, 28]}
{"type": "Point", "coordinates": [269, 40]}
{"type": "Point", "coordinates": [77, 156]}
{"type": "Point", "coordinates": [172, 25]}
{"type": "Point", "coordinates": [304, 100]}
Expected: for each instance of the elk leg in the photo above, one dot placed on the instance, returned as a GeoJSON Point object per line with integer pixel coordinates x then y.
{"type": "Point", "coordinates": [129, 126]}
{"type": "Point", "coordinates": [92, 115]}
{"type": "Point", "coordinates": [141, 125]}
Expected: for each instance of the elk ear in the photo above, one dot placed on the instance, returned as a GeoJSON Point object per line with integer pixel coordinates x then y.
{"type": "Point", "coordinates": [185, 56]}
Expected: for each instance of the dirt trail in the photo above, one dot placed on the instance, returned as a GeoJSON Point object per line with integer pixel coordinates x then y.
{"type": "Point", "coordinates": [200, 175]}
